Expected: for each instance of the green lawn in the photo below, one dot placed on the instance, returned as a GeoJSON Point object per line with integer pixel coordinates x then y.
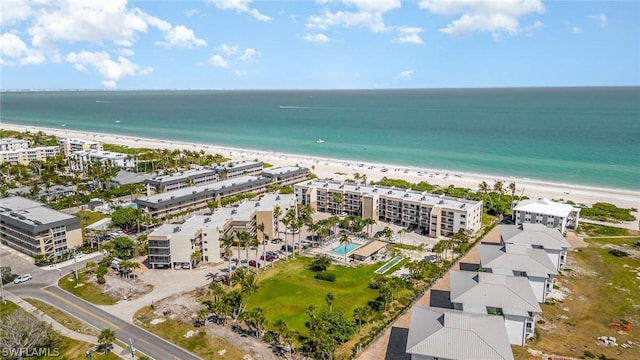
{"type": "Point", "coordinates": [7, 307]}
{"type": "Point", "coordinates": [287, 290]}
{"type": "Point", "coordinates": [86, 290]}
{"type": "Point", "coordinates": [602, 230]}
{"type": "Point", "coordinates": [89, 217]}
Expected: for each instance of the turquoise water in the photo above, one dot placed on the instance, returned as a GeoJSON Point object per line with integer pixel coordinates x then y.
{"type": "Point", "coordinates": [585, 136]}
{"type": "Point", "coordinates": [340, 250]}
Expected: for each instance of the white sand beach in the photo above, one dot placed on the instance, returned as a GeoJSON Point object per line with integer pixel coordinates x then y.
{"type": "Point", "coordinates": [343, 169]}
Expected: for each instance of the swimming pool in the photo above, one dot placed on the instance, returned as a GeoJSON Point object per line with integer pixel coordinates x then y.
{"type": "Point", "coordinates": [340, 250]}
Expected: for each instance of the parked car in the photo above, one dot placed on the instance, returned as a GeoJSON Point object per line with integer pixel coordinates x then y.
{"type": "Point", "coordinates": [254, 264]}
{"type": "Point", "coordinates": [288, 248]}
{"type": "Point", "coordinates": [276, 241]}
{"type": "Point", "coordinates": [268, 258]}
{"type": "Point", "coordinates": [22, 278]}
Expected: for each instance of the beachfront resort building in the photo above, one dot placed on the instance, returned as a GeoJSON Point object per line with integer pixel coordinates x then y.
{"type": "Point", "coordinates": [196, 198]}
{"type": "Point", "coordinates": [243, 168]}
{"type": "Point", "coordinates": [520, 260]}
{"type": "Point", "coordinates": [35, 229]}
{"type": "Point", "coordinates": [508, 296]}
{"type": "Point", "coordinates": [17, 151]}
{"type": "Point", "coordinates": [287, 175]}
{"type": "Point", "coordinates": [81, 159]}
{"type": "Point", "coordinates": [538, 236]}
{"type": "Point", "coordinates": [544, 211]}
{"type": "Point", "coordinates": [436, 333]}
{"type": "Point", "coordinates": [171, 245]}
{"type": "Point", "coordinates": [12, 144]}
{"type": "Point", "coordinates": [181, 179]}
{"type": "Point", "coordinates": [438, 215]}
{"type": "Point", "coordinates": [67, 146]}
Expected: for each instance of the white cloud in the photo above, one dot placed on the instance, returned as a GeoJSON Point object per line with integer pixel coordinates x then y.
{"type": "Point", "coordinates": [406, 75]}
{"type": "Point", "coordinates": [126, 52]}
{"type": "Point", "coordinates": [218, 61]}
{"type": "Point", "coordinates": [368, 14]}
{"type": "Point", "coordinates": [248, 54]}
{"type": "Point", "coordinates": [576, 30]}
{"type": "Point", "coordinates": [228, 49]}
{"type": "Point", "coordinates": [316, 38]}
{"type": "Point", "coordinates": [479, 15]}
{"type": "Point", "coordinates": [240, 6]}
{"type": "Point", "coordinates": [600, 18]}
{"type": "Point", "coordinates": [409, 35]}
{"type": "Point", "coordinates": [240, 73]}
{"type": "Point", "coordinates": [14, 11]}
{"type": "Point", "coordinates": [530, 29]}
{"type": "Point", "coordinates": [110, 70]}
{"type": "Point", "coordinates": [192, 12]}
{"type": "Point", "coordinates": [181, 37]}
{"type": "Point", "coordinates": [12, 47]}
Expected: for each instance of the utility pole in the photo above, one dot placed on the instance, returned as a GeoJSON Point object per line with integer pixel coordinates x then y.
{"type": "Point", "coordinates": [133, 349]}
{"type": "Point", "coordinates": [75, 264]}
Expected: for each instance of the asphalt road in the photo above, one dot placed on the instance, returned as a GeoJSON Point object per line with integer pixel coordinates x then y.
{"type": "Point", "coordinates": [43, 287]}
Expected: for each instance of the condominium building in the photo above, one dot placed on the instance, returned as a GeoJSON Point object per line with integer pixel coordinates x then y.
{"type": "Point", "coordinates": [25, 156]}
{"type": "Point", "coordinates": [10, 144]}
{"type": "Point", "coordinates": [544, 211]}
{"type": "Point", "coordinates": [287, 175]}
{"type": "Point", "coordinates": [438, 215]}
{"type": "Point", "coordinates": [195, 198]}
{"type": "Point", "coordinates": [538, 236]}
{"type": "Point", "coordinates": [33, 228]}
{"type": "Point", "coordinates": [80, 160]}
{"type": "Point", "coordinates": [242, 168]}
{"type": "Point", "coordinates": [67, 146]}
{"type": "Point", "coordinates": [171, 245]}
{"type": "Point", "coordinates": [182, 179]}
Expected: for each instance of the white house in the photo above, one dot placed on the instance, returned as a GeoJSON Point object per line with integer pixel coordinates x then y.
{"type": "Point", "coordinates": [505, 295]}
{"type": "Point", "coordinates": [520, 260]}
{"type": "Point", "coordinates": [80, 160]}
{"type": "Point", "coordinates": [449, 334]}
{"type": "Point", "coordinates": [538, 236]}
{"type": "Point", "coordinates": [544, 211]}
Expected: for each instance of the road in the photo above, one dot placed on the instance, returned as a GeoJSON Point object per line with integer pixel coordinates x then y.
{"type": "Point", "coordinates": [44, 287]}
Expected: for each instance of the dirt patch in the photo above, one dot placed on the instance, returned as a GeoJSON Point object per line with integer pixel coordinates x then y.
{"type": "Point", "coordinates": [575, 241]}
{"type": "Point", "coordinates": [180, 307]}
{"type": "Point", "coordinates": [122, 288]}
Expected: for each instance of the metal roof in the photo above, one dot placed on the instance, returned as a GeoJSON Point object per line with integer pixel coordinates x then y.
{"type": "Point", "coordinates": [451, 334]}
{"type": "Point", "coordinates": [544, 206]}
{"type": "Point", "coordinates": [534, 234]}
{"type": "Point", "coordinates": [478, 290]}
{"type": "Point", "coordinates": [534, 262]}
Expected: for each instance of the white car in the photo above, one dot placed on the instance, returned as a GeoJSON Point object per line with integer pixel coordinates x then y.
{"type": "Point", "coordinates": [22, 278]}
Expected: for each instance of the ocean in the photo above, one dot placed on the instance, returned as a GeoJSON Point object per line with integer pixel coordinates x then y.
{"type": "Point", "coordinates": [585, 136]}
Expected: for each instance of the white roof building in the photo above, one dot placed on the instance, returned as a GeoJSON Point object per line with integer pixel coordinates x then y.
{"type": "Point", "coordinates": [509, 296]}
{"type": "Point", "coordinates": [520, 260]}
{"type": "Point", "coordinates": [544, 211]}
{"type": "Point", "coordinates": [448, 334]}
{"type": "Point", "coordinates": [540, 237]}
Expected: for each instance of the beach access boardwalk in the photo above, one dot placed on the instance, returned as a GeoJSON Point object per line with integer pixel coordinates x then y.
{"type": "Point", "coordinates": [393, 341]}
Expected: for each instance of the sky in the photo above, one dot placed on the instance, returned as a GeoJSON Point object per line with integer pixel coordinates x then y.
{"type": "Point", "coordinates": [322, 44]}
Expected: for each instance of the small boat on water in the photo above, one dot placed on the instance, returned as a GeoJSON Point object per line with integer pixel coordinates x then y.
{"type": "Point", "coordinates": [117, 121]}
{"type": "Point", "coordinates": [319, 141]}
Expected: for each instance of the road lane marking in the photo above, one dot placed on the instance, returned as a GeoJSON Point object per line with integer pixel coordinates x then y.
{"type": "Point", "coordinates": [112, 325]}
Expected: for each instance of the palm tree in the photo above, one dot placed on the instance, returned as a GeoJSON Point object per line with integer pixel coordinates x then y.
{"type": "Point", "coordinates": [369, 222]}
{"type": "Point", "coordinates": [254, 242]}
{"type": "Point", "coordinates": [498, 187]}
{"type": "Point", "coordinates": [215, 290]}
{"type": "Point", "coordinates": [330, 298]}
{"type": "Point", "coordinates": [338, 199]}
{"type": "Point", "coordinates": [196, 257]}
{"type": "Point", "coordinates": [260, 228]}
{"type": "Point", "coordinates": [344, 239]}
{"type": "Point", "coordinates": [512, 188]}
{"type": "Point", "coordinates": [277, 211]}
{"type": "Point", "coordinates": [401, 233]}
{"type": "Point", "coordinates": [484, 188]}
{"type": "Point", "coordinates": [106, 337]}
{"type": "Point", "coordinates": [227, 242]}
{"type": "Point", "coordinates": [387, 232]}
{"type": "Point", "coordinates": [361, 314]}
{"type": "Point", "coordinates": [240, 236]}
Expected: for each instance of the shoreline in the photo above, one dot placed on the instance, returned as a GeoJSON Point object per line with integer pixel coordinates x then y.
{"type": "Point", "coordinates": [329, 167]}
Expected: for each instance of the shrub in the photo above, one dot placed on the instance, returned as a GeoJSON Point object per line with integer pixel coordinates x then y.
{"type": "Point", "coordinates": [326, 276]}
{"type": "Point", "coordinates": [589, 354]}
{"type": "Point", "coordinates": [618, 253]}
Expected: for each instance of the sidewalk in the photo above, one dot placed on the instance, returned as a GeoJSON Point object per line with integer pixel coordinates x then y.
{"type": "Point", "coordinates": [84, 257]}
{"type": "Point", "coordinates": [119, 351]}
